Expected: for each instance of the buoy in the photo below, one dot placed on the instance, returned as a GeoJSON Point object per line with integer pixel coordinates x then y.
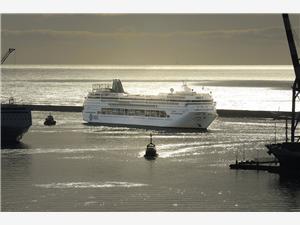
{"type": "Point", "coordinates": [49, 121]}
{"type": "Point", "coordinates": [151, 153]}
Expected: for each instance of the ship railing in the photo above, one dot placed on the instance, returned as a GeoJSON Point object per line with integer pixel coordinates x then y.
{"type": "Point", "coordinates": [96, 87]}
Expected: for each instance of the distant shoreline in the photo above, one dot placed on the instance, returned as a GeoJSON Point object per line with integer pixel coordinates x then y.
{"type": "Point", "coordinates": [221, 112]}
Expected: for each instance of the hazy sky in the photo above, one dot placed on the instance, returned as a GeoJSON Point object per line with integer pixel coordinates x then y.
{"type": "Point", "coordinates": [147, 39]}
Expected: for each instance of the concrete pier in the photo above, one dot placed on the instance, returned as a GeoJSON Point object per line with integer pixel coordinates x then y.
{"type": "Point", "coordinates": [221, 112]}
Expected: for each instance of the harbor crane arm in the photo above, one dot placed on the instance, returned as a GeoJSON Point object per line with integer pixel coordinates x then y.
{"type": "Point", "coordinates": [296, 85]}
{"type": "Point", "coordinates": [10, 50]}
{"type": "Point", "coordinates": [292, 46]}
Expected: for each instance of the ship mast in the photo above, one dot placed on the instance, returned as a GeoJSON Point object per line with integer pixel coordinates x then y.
{"type": "Point", "coordinates": [296, 84]}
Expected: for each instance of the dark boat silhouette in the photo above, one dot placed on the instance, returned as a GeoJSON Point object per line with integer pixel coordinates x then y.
{"type": "Point", "coordinates": [49, 121]}
{"type": "Point", "coordinates": [15, 122]}
{"type": "Point", "coordinates": [15, 119]}
{"type": "Point", "coordinates": [151, 153]}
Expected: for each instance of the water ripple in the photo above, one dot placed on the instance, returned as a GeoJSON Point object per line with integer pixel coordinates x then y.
{"type": "Point", "coordinates": [108, 184]}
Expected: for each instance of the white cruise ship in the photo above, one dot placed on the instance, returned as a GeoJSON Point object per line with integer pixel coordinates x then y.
{"type": "Point", "coordinates": [183, 109]}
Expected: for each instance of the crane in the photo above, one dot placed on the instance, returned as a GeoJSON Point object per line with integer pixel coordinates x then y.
{"type": "Point", "coordinates": [296, 84]}
{"type": "Point", "coordinates": [10, 50]}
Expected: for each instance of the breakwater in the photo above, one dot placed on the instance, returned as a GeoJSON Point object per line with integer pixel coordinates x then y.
{"type": "Point", "coordinates": [221, 112]}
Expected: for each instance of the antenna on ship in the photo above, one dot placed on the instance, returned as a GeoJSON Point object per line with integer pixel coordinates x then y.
{"type": "Point", "coordinates": [286, 130]}
{"type": "Point", "coordinates": [236, 157]}
{"type": "Point", "coordinates": [275, 132]}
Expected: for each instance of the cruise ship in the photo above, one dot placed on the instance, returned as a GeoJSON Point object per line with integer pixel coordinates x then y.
{"type": "Point", "coordinates": [183, 109]}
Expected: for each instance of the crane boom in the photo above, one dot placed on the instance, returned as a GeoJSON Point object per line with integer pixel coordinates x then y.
{"type": "Point", "coordinates": [296, 85]}
{"type": "Point", "coordinates": [10, 50]}
{"type": "Point", "coordinates": [292, 46]}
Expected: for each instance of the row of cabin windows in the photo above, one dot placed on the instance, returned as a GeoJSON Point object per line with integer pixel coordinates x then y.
{"type": "Point", "coordinates": [154, 101]}
{"type": "Point", "coordinates": [143, 101]}
{"type": "Point", "coordinates": [133, 112]}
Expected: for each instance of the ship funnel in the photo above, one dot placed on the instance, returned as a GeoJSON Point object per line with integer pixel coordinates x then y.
{"type": "Point", "coordinates": [117, 86]}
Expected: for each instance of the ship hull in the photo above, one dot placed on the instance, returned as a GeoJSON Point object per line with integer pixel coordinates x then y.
{"type": "Point", "coordinates": [192, 120]}
{"type": "Point", "coordinates": [15, 122]}
{"type": "Point", "coordinates": [288, 155]}
{"type": "Point", "coordinates": [12, 134]}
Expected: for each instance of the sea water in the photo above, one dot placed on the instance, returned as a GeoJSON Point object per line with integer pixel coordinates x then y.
{"type": "Point", "coordinates": [76, 167]}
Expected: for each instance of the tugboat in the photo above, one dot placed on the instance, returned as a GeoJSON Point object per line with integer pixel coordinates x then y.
{"type": "Point", "coordinates": [150, 150]}
{"type": "Point", "coordinates": [49, 121]}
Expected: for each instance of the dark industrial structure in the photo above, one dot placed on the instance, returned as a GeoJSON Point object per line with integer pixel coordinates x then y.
{"type": "Point", "coordinates": [288, 152]}
{"type": "Point", "coordinates": [15, 119]}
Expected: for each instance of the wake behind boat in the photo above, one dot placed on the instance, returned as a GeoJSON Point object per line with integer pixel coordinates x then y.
{"type": "Point", "coordinates": [182, 109]}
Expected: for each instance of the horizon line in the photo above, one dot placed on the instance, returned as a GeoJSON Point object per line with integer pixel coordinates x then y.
{"type": "Point", "coordinates": [122, 66]}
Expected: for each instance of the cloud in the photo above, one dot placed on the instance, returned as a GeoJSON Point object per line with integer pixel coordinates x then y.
{"type": "Point", "coordinates": [270, 33]}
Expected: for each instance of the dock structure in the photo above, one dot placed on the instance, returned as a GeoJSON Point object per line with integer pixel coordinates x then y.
{"type": "Point", "coordinates": [221, 112]}
{"type": "Point", "coordinates": [270, 165]}
{"type": "Point", "coordinates": [286, 153]}
{"type": "Point", "coordinates": [53, 108]}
